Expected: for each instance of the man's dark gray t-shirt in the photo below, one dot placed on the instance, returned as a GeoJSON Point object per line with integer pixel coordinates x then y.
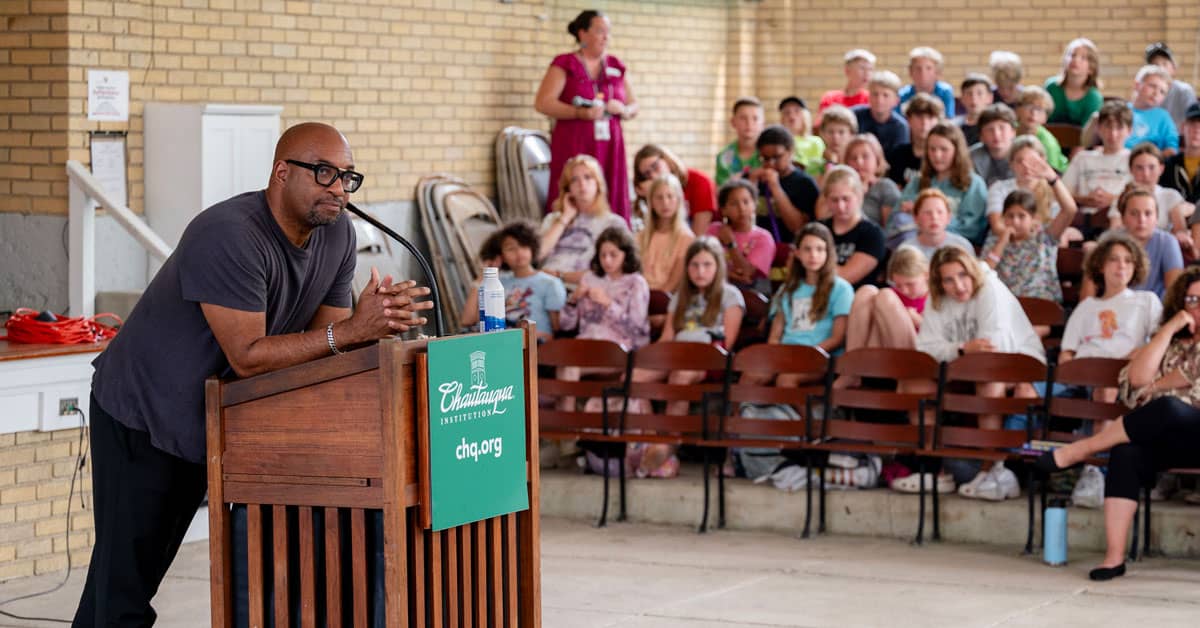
{"type": "Point", "coordinates": [234, 254]}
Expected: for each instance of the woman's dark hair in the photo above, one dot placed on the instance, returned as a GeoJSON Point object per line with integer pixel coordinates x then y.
{"type": "Point", "coordinates": [1093, 264]}
{"type": "Point", "coordinates": [523, 231]}
{"type": "Point", "coordinates": [620, 238]}
{"type": "Point", "coordinates": [1173, 299]}
{"type": "Point", "coordinates": [735, 184]}
{"type": "Point", "coordinates": [582, 22]}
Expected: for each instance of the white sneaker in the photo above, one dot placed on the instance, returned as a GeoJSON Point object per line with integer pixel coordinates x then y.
{"type": "Point", "coordinates": [1089, 490]}
{"type": "Point", "coordinates": [842, 461]}
{"type": "Point", "coordinates": [971, 489]}
{"type": "Point", "coordinates": [1001, 484]}
{"type": "Point", "coordinates": [912, 483]}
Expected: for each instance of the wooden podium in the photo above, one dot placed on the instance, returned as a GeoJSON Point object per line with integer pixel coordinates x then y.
{"type": "Point", "coordinates": [326, 442]}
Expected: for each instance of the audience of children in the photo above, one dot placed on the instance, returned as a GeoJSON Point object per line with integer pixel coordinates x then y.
{"type": "Point", "coordinates": [947, 166]}
{"type": "Point", "coordinates": [932, 214]}
{"type": "Point", "coordinates": [879, 117]}
{"type": "Point", "coordinates": [969, 183]}
{"type": "Point", "coordinates": [858, 64]}
{"type": "Point", "coordinates": [1152, 123]}
{"type": "Point", "coordinates": [997, 128]}
{"type": "Point", "coordinates": [976, 95]}
{"type": "Point", "coordinates": [699, 193]}
{"type": "Point", "coordinates": [1181, 94]}
{"type": "Point", "coordinates": [921, 113]}
{"type": "Point", "coordinates": [865, 155]}
{"type": "Point", "coordinates": [925, 67]}
{"type": "Point", "coordinates": [740, 155]}
{"type": "Point", "coordinates": [795, 117]}
{"type": "Point", "coordinates": [750, 249]}
{"type": "Point", "coordinates": [529, 294]}
{"type": "Point", "coordinates": [1075, 92]}
{"type": "Point", "coordinates": [1033, 105]}
{"type": "Point", "coordinates": [859, 243]}
{"type": "Point", "coordinates": [666, 236]}
{"type": "Point", "coordinates": [580, 213]}
{"type": "Point", "coordinates": [1007, 72]}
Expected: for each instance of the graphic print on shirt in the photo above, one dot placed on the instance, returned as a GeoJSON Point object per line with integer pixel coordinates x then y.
{"type": "Point", "coordinates": [516, 304]}
{"type": "Point", "coordinates": [963, 329]}
{"type": "Point", "coordinates": [1108, 324]}
{"type": "Point", "coordinates": [801, 321]}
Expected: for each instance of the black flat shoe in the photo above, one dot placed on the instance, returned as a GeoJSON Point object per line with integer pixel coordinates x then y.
{"type": "Point", "coordinates": [1101, 574]}
{"type": "Point", "coordinates": [1046, 464]}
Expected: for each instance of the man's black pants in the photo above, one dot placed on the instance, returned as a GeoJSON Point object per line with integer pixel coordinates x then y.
{"type": "Point", "coordinates": [144, 501]}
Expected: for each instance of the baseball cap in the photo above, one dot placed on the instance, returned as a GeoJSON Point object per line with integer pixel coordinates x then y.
{"type": "Point", "coordinates": [1193, 111]}
{"type": "Point", "coordinates": [792, 100]}
{"type": "Point", "coordinates": [1158, 49]}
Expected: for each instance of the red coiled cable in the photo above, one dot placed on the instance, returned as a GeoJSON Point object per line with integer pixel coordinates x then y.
{"type": "Point", "coordinates": [23, 326]}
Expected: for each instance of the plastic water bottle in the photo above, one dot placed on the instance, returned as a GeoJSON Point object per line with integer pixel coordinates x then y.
{"type": "Point", "coordinates": [491, 301]}
{"type": "Point", "coordinates": [1054, 541]}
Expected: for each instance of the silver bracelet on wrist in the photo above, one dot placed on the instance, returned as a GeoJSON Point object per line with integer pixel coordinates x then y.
{"type": "Point", "coordinates": [329, 338]}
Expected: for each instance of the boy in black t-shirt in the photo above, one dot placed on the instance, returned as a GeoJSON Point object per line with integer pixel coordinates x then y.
{"type": "Point", "coordinates": [787, 196]}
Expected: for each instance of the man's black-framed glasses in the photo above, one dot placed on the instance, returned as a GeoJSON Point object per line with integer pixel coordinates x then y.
{"type": "Point", "coordinates": [326, 174]}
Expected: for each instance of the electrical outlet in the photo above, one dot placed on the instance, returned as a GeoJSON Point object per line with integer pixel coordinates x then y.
{"type": "Point", "coordinates": [67, 406]}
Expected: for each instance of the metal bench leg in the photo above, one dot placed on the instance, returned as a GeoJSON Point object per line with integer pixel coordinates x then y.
{"type": "Point", "coordinates": [920, 540]}
{"type": "Point", "coordinates": [808, 501]}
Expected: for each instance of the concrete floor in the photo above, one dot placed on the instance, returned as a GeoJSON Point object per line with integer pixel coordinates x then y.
{"type": "Point", "coordinates": [641, 576]}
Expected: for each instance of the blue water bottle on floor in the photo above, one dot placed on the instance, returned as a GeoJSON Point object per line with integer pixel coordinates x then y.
{"type": "Point", "coordinates": [1054, 540]}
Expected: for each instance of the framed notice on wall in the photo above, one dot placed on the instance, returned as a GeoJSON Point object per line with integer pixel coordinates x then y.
{"type": "Point", "coordinates": [476, 428]}
{"type": "Point", "coordinates": [108, 164]}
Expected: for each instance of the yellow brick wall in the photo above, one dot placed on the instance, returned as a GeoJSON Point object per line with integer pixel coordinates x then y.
{"type": "Point", "coordinates": [33, 121]}
{"type": "Point", "coordinates": [420, 86]}
{"type": "Point", "coordinates": [35, 479]}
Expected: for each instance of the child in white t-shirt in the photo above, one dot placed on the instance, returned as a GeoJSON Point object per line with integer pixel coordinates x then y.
{"type": "Point", "coordinates": [1096, 177]}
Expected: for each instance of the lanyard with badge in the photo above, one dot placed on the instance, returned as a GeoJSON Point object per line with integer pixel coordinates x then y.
{"type": "Point", "coordinates": [602, 129]}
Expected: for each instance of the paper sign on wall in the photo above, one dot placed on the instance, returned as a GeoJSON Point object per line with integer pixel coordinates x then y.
{"type": "Point", "coordinates": [108, 96]}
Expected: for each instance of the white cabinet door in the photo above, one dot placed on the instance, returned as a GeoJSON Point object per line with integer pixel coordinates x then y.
{"type": "Point", "coordinates": [237, 152]}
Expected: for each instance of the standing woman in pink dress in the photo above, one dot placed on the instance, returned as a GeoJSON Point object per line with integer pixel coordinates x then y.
{"type": "Point", "coordinates": [585, 93]}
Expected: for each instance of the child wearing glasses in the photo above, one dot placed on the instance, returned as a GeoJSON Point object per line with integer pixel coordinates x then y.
{"type": "Point", "coordinates": [787, 196]}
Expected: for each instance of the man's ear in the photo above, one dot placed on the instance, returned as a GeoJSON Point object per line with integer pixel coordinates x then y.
{"type": "Point", "coordinates": [279, 171]}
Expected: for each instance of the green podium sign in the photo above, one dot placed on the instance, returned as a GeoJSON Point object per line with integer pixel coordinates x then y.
{"type": "Point", "coordinates": [476, 428]}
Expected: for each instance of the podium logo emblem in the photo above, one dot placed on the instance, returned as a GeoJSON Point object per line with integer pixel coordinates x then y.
{"type": "Point", "coordinates": [478, 370]}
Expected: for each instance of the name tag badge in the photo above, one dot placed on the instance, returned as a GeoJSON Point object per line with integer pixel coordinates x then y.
{"type": "Point", "coordinates": [611, 71]}
{"type": "Point", "coordinates": [603, 131]}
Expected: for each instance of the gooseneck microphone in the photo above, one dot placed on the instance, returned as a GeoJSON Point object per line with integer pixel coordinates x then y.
{"type": "Point", "coordinates": [433, 286]}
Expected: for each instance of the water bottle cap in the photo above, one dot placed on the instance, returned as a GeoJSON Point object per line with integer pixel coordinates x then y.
{"type": "Point", "coordinates": [490, 271]}
{"type": "Point", "coordinates": [1058, 502]}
